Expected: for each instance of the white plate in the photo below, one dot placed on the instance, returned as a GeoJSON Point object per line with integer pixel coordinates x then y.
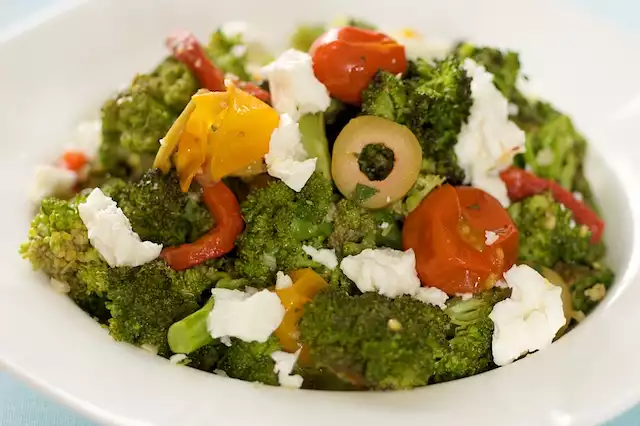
{"type": "Point", "coordinates": [59, 72]}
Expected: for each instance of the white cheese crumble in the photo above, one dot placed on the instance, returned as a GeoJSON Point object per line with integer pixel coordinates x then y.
{"type": "Point", "coordinates": [251, 318]}
{"type": "Point", "coordinates": [465, 296]}
{"type": "Point", "coordinates": [294, 88]}
{"type": "Point", "coordinates": [59, 286]}
{"type": "Point", "coordinates": [287, 159]}
{"type": "Point", "coordinates": [389, 272]}
{"type": "Point", "coordinates": [325, 257]}
{"type": "Point", "coordinates": [51, 180]}
{"type": "Point", "coordinates": [489, 141]}
{"type": "Point", "coordinates": [283, 280]}
{"type": "Point", "coordinates": [284, 363]}
{"type": "Point", "coordinates": [529, 320]}
{"type": "Point", "coordinates": [177, 358]}
{"type": "Point", "coordinates": [111, 234]}
{"type": "Point", "coordinates": [384, 225]}
{"type": "Point", "coordinates": [416, 46]}
{"type": "Point", "coordinates": [432, 296]}
{"type": "Point", "coordinates": [490, 237]}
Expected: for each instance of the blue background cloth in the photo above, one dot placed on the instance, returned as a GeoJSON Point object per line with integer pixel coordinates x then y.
{"type": "Point", "coordinates": [22, 406]}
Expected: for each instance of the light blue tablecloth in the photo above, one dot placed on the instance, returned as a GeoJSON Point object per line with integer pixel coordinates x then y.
{"type": "Point", "coordinates": [21, 406]}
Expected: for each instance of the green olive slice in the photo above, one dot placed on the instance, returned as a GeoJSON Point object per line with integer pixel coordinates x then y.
{"type": "Point", "coordinates": [369, 130]}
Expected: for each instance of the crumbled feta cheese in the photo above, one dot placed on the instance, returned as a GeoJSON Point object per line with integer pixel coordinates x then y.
{"type": "Point", "coordinates": [489, 141]}
{"type": "Point", "coordinates": [578, 196]}
{"type": "Point", "coordinates": [59, 286]}
{"type": "Point", "coordinates": [325, 257]}
{"type": "Point", "coordinates": [432, 296]}
{"type": "Point", "coordinates": [283, 281]}
{"type": "Point", "coordinates": [251, 318]}
{"type": "Point", "coordinates": [111, 234]}
{"type": "Point", "coordinates": [177, 358]}
{"type": "Point", "coordinates": [51, 180]}
{"type": "Point", "coordinates": [148, 347]}
{"type": "Point", "coordinates": [220, 373]}
{"type": "Point", "coordinates": [384, 225]}
{"type": "Point", "coordinates": [270, 261]}
{"type": "Point", "coordinates": [284, 363]}
{"type": "Point", "coordinates": [294, 88]}
{"type": "Point", "coordinates": [427, 48]}
{"type": "Point", "coordinates": [465, 296]}
{"type": "Point", "coordinates": [389, 272]}
{"type": "Point", "coordinates": [226, 340]}
{"type": "Point", "coordinates": [490, 237]}
{"type": "Point", "coordinates": [287, 159]}
{"type": "Point", "coordinates": [529, 320]}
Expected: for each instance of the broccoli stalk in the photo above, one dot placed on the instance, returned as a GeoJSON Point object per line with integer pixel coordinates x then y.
{"type": "Point", "coordinates": [190, 333]}
{"type": "Point", "coordinates": [314, 140]}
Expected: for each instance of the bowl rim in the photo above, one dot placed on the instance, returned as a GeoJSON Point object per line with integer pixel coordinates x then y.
{"type": "Point", "coordinates": [626, 173]}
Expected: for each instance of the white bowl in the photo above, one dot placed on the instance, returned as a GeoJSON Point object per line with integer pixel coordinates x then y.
{"type": "Point", "coordinates": [54, 74]}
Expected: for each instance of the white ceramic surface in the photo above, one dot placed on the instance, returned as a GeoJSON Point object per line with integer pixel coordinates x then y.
{"type": "Point", "coordinates": [57, 73]}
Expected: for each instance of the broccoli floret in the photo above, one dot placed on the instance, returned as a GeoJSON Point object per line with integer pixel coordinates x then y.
{"type": "Point", "coordinates": [555, 150]}
{"type": "Point", "coordinates": [229, 53]}
{"type": "Point", "coordinates": [251, 361]}
{"type": "Point", "coordinates": [158, 210]}
{"type": "Point", "coordinates": [207, 357]}
{"type": "Point", "coordinates": [137, 118]}
{"type": "Point", "coordinates": [59, 246]}
{"type": "Point", "coordinates": [424, 185]}
{"type": "Point", "coordinates": [504, 65]}
{"type": "Point", "coordinates": [372, 341]}
{"type": "Point", "coordinates": [388, 96]}
{"type": "Point", "coordinates": [356, 229]}
{"type": "Point", "coordinates": [145, 301]}
{"type": "Point", "coordinates": [433, 100]}
{"type": "Point", "coordinates": [548, 233]}
{"type": "Point", "coordinates": [278, 222]}
{"type": "Point", "coordinates": [470, 346]}
{"type": "Point", "coordinates": [588, 284]}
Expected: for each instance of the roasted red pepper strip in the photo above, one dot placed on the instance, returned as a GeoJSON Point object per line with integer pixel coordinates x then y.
{"type": "Point", "coordinates": [254, 89]}
{"type": "Point", "coordinates": [220, 240]}
{"type": "Point", "coordinates": [186, 48]}
{"type": "Point", "coordinates": [522, 184]}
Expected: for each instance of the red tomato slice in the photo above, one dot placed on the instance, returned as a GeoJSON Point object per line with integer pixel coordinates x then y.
{"type": "Point", "coordinates": [447, 234]}
{"type": "Point", "coordinates": [346, 59]}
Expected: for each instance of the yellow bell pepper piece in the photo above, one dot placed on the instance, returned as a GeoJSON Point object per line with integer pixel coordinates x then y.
{"type": "Point", "coordinates": [226, 132]}
{"type": "Point", "coordinates": [306, 284]}
{"type": "Point", "coordinates": [243, 135]}
{"type": "Point", "coordinates": [193, 145]}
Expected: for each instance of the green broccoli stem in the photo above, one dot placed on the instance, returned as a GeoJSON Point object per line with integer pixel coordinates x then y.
{"type": "Point", "coordinates": [314, 140]}
{"type": "Point", "coordinates": [190, 333]}
{"type": "Point", "coordinates": [303, 230]}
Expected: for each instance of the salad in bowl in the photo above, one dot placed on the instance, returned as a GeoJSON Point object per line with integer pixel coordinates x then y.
{"type": "Point", "coordinates": [362, 211]}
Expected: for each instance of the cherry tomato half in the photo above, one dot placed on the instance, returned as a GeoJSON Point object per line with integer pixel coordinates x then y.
{"type": "Point", "coordinates": [447, 233]}
{"type": "Point", "coordinates": [346, 59]}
